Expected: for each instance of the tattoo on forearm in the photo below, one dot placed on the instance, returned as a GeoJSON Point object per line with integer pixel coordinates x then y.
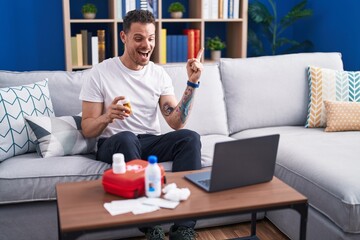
{"type": "Point", "coordinates": [167, 109]}
{"type": "Point", "coordinates": [185, 104]}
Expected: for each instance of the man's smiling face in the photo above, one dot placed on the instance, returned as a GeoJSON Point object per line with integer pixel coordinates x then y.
{"type": "Point", "coordinates": [139, 44]}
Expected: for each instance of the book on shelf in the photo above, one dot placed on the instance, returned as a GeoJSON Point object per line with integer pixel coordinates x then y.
{"type": "Point", "coordinates": [124, 6]}
{"type": "Point", "coordinates": [177, 48]}
{"type": "Point", "coordinates": [74, 58]}
{"type": "Point", "coordinates": [84, 36]}
{"type": "Point", "coordinates": [183, 46]}
{"type": "Point", "coordinates": [101, 45]}
{"type": "Point", "coordinates": [225, 9]}
{"type": "Point", "coordinates": [205, 9]}
{"type": "Point", "coordinates": [89, 47]}
{"type": "Point", "coordinates": [133, 4]}
{"type": "Point", "coordinates": [194, 43]}
{"type": "Point", "coordinates": [141, 4]}
{"type": "Point", "coordinates": [119, 9]}
{"type": "Point", "coordinates": [94, 50]}
{"type": "Point", "coordinates": [197, 41]}
{"type": "Point", "coordinates": [220, 9]}
{"type": "Point", "coordinates": [214, 9]}
{"type": "Point", "coordinates": [152, 6]}
{"type": "Point", "coordinates": [174, 48]}
{"type": "Point", "coordinates": [231, 9]}
{"type": "Point", "coordinates": [191, 42]}
{"type": "Point", "coordinates": [236, 9]}
{"type": "Point", "coordinates": [79, 49]}
{"type": "Point", "coordinates": [168, 48]}
{"type": "Point", "coordinates": [171, 48]}
{"type": "Point", "coordinates": [130, 5]}
{"type": "Point", "coordinates": [163, 46]}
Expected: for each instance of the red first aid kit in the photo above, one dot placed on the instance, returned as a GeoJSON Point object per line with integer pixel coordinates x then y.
{"type": "Point", "coordinates": [130, 184]}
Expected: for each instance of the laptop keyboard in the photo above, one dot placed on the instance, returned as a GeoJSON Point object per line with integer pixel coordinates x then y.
{"type": "Point", "coordinates": [205, 182]}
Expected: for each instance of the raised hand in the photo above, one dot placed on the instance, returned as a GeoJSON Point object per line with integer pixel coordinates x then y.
{"type": "Point", "coordinates": [194, 67]}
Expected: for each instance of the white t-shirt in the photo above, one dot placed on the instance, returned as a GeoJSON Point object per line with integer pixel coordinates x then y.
{"type": "Point", "coordinates": [143, 88]}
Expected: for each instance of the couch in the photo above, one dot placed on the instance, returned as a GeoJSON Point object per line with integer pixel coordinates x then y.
{"type": "Point", "coordinates": [238, 98]}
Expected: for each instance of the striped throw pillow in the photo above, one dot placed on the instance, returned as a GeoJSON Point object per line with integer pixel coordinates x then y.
{"type": "Point", "coordinates": [328, 84]}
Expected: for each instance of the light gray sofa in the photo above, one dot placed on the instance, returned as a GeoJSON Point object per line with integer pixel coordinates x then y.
{"type": "Point", "coordinates": [238, 98]}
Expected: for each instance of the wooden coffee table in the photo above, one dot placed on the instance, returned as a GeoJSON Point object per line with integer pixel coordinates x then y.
{"type": "Point", "coordinates": [81, 210]}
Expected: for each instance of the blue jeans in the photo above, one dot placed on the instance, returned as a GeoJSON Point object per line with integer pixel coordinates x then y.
{"type": "Point", "coordinates": [181, 146]}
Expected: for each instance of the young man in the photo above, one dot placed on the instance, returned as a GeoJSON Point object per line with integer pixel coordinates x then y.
{"type": "Point", "coordinates": [135, 132]}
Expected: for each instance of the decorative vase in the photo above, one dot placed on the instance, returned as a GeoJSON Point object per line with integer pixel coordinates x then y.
{"type": "Point", "coordinates": [215, 55]}
{"type": "Point", "coordinates": [89, 15]}
{"type": "Point", "coordinates": [176, 14]}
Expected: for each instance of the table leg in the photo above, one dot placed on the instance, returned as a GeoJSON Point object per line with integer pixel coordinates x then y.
{"type": "Point", "coordinates": [253, 224]}
{"type": "Point", "coordinates": [253, 229]}
{"type": "Point", "coordinates": [302, 209]}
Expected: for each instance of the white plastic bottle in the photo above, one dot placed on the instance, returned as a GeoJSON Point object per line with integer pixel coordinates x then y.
{"type": "Point", "coordinates": [118, 166]}
{"type": "Point", "coordinates": [152, 178]}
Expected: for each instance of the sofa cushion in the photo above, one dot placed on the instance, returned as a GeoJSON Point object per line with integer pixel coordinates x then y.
{"type": "Point", "coordinates": [28, 177]}
{"type": "Point", "coordinates": [270, 91]}
{"type": "Point", "coordinates": [64, 87]}
{"type": "Point", "coordinates": [16, 103]}
{"type": "Point", "coordinates": [329, 84]}
{"type": "Point", "coordinates": [342, 116]}
{"type": "Point", "coordinates": [322, 166]}
{"type": "Point", "coordinates": [208, 114]}
{"type": "Point", "coordinates": [59, 136]}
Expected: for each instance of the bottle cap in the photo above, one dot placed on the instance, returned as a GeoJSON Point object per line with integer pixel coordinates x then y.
{"type": "Point", "coordinates": [152, 159]}
{"type": "Point", "coordinates": [118, 158]}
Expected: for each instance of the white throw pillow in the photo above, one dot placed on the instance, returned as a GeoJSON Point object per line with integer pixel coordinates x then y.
{"type": "Point", "coordinates": [59, 136]}
{"type": "Point", "coordinates": [16, 103]}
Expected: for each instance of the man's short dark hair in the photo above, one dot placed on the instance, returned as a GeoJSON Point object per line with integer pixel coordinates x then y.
{"type": "Point", "coordinates": [141, 16]}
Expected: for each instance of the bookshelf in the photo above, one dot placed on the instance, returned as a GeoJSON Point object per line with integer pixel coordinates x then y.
{"type": "Point", "coordinates": [232, 30]}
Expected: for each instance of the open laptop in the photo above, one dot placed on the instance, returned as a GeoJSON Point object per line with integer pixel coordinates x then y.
{"type": "Point", "coordinates": [239, 163]}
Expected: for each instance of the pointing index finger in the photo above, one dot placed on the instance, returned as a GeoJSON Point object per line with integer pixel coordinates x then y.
{"type": "Point", "coordinates": [200, 53]}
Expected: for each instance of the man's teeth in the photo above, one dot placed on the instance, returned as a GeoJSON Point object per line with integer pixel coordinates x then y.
{"type": "Point", "coordinates": [145, 54]}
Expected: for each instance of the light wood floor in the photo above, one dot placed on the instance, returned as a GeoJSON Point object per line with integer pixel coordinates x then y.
{"type": "Point", "coordinates": [265, 230]}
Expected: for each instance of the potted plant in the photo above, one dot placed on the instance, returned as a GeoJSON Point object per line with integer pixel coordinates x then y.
{"type": "Point", "coordinates": [89, 10]}
{"type": "Point", "coordinates": [176, 10]}
{"type": "Point", "coordinates": [215, 44]}
{"type": "Point", "coordinates": [266, 36]}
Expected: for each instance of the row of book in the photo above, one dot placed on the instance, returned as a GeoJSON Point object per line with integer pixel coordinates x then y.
{"type": "Point", "coordinates": [212, 9]}
{"type": "Point", "coordinates": [179, 48]}
{"type": "Point", "coordinates": [87, 49]}
{"type": "Point", "coordinates": [124, 6]}
{"type": "Point", "coordinates": [220, 9]}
